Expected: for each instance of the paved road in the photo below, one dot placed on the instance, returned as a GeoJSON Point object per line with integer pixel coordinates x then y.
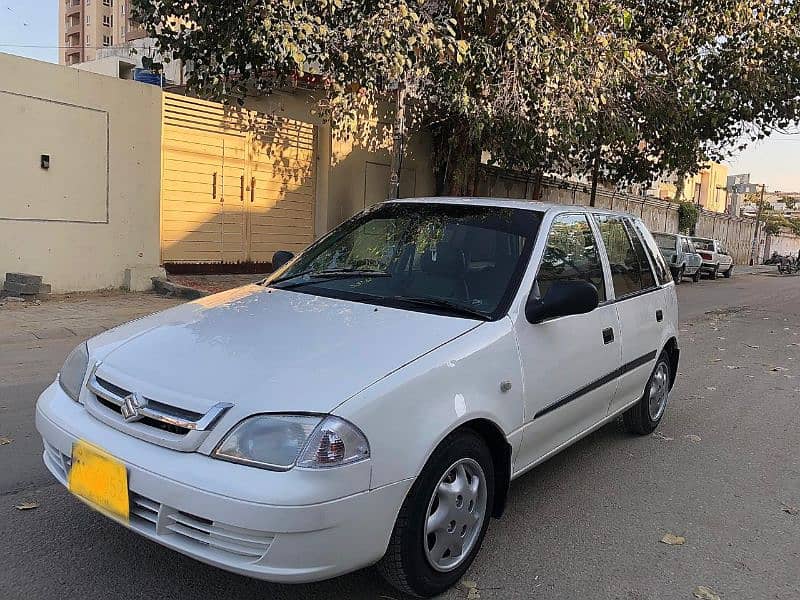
{"type": "Point", "coordinates": [586, 524]}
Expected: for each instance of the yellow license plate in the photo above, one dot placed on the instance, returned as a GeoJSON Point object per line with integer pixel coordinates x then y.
{"type": "Point", "coordinates": [99, 479]}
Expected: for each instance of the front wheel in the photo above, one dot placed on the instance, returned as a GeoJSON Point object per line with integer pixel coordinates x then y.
{"type": "Point", "coordinates": [727, 274]}
{"type": "Point", "coordinates": [696, 276]}
{"type": "Point", "coordinates": [644, 416]}
{"type": "Point", "coordinates": [443, 520]}
{"type": "Point", "coordinates": [678, 275]}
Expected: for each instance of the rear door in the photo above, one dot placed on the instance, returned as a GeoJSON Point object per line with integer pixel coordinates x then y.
{"type": "Point", "coordinates": [639, 302]}
{"type": "Point", "coordinates": [568, 363]}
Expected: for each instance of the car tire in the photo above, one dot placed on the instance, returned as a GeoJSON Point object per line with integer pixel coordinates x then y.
{"type": "Point", "coordinates": [641, 418]}
{"type": "Point", "coordinates": [408, 564]}
{"type": "Point", "coordinates": [727, 274]}
{"type": "Point", "coordinates": [678, 276]}
{"type": "Point", "coordinates": [713, 274]}
{"type": "Point", "coordinates": [696, 277]}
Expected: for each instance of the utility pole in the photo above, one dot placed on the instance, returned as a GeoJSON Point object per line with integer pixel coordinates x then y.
{"type": "Point", "coordinates": [398, 142]}
{"type": "Point", "coordinates": [754, 247]}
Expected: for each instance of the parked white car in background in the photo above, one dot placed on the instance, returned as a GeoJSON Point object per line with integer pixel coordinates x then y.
{"type": "Point", "coordinates": [372, 399]}
{"type": "Point", "coordinates": [716, 258]}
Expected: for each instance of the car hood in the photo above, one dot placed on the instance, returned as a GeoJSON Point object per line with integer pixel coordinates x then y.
{"type": "Point", "coordinates": [268, 350]}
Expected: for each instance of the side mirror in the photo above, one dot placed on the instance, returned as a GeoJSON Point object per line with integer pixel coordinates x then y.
{"type": "Point", "coordinates": [563, 298]}
{"type": "Point", "coordinates": [280, 258]}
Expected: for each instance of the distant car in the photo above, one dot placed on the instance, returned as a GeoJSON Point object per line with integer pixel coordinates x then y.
{"type": "Point", "coordinates": [681, 256]}
{"type": "Point", "coordinates": [715, 257]}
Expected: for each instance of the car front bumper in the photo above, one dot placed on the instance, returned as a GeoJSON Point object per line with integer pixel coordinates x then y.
{"type": "Point", "coordinates": [194, 514]}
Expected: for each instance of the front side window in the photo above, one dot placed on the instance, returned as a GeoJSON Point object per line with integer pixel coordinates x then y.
{"type": "Point", "coordinates": [451, 258]}
{"type": "Point", "coordinates": [571, 253]}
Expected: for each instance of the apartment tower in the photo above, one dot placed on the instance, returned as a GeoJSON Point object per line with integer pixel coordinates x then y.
{"type": "Point", "coordinates": [86, 25]}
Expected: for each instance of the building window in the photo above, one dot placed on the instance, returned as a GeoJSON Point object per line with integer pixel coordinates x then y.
{"type": "Point", "coordinates": [108, 20]}
{"type": "Point", "coordinates": [88, 19]}
{"type": "Point", "coordinates": [108, 40]}
{"type": "Point", "coordinates": [122, 10]}
{"type": "Point", "coordinates": [88, 40]}
{"type": "Point", "coordinates": [107, 3]}
{"type": "Point", "coordinates": [88, 2]}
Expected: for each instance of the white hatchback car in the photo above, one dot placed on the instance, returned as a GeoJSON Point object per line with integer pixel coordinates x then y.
{"type": "Point", "coordinates": [371, 401]}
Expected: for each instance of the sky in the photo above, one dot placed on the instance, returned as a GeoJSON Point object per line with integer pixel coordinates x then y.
{"type": "Point", "coordinates": [30, 28]}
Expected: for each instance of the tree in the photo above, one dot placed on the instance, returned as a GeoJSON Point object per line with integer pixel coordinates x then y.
{"type": "Point", "coordinates": [688, 214]}
{"type": "Point", "coordinates": [621, 89]}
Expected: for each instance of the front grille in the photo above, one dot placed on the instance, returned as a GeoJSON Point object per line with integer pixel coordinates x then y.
{"type": "Point", "coordinates": [60, 462]}
{"type": "Point", "coordinates": [210, 537]}
{"type": "Point", "coordinates": [146, 420]}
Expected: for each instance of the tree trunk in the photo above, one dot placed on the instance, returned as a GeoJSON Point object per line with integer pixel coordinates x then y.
{"type": "Point", "coordinates": [595, 174]}
{"type": "Point", "coordinates": [398, 145]}
{"type": "Point", "coordinates": [537, 186]}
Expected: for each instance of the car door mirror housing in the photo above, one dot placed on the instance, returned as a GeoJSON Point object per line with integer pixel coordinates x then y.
{"type": "Point", "coordinates": [280, 258]}
{"type": "Point", "coordinates": [563, 298]}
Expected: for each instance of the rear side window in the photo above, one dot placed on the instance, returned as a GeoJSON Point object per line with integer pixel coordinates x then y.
{"type": "Point", "coordinates": [660, 267]}
{"type": "Point", "coordinates": [571, 253]}
{"type": "Point", "coordinates": [647, 277]}
{"type": "Point", "coordinates": [625, 272]}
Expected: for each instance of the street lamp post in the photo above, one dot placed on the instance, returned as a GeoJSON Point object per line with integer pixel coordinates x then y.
{"type": "Point", "coordinates": [754, 247]}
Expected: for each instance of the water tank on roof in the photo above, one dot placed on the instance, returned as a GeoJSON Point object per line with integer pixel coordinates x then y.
{"type": "Point", "coordinates": [147, 76]}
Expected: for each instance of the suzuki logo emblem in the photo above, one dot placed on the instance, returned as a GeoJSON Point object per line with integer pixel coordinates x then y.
{"type": "Point", "coordinates": [132, 406]}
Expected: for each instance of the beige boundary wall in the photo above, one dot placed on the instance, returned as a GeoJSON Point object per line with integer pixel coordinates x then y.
{"type": "Point", "coordinates": [95, 211]}
{"type": "Point", "coordinates": [659, 215]}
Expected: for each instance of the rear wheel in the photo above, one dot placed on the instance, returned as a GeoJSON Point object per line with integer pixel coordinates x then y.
{"type": "Point", "coordinates": [727, 274]}
{"type": "Point", "coordinates": [678, 275]}
{"type": "Point", "coordinates": [696, 276]}
{"type": "Point", "coordinates": [713, 273]}
{"type": "Point", "coordinates": [443, 520]}
{"type": "Point", "coordinates": [645, 415]}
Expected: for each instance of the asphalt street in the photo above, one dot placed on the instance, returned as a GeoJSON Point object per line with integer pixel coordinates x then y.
{"type": "Point", "coordinates": [723, 471]}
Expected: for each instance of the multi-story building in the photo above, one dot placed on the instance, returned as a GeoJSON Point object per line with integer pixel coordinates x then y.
{"type": "Point", "coordinates": [84, 26]}
{"type": "Point", "coordinates": [740, 191]}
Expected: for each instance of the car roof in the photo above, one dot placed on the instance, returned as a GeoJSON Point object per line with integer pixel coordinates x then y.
{"type": "Point", "coordinates": [507, 203]}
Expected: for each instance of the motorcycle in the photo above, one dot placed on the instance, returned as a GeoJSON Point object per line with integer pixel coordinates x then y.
{"type": "Point", "coordinates": [788, 265]}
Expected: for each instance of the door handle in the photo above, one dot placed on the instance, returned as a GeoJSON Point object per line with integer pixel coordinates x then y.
{"type": "Point", "coordinates": [608, 336]}
{"type": "Point", "coordinates": [214, 186]}
{"type": "Point", "coordinates": [241, 189]}
{"type": "Point", "coordinates": [252, 189]}
{"type": "Point", "coordinates": [659, 315]}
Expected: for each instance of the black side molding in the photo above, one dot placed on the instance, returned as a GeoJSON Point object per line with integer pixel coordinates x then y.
{"type": "Point", "coordinates": [627, 367]}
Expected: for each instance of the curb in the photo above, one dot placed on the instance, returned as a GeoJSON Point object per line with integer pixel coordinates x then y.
{"type": "Point", "coordinates": [173, 290]}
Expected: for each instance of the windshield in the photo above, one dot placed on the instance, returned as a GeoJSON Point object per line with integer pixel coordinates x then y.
{"type": "Point", "coordinates": [665, 242]}
{"type": "Point", "coordinates": [703, 244]}
{"type": "Point", "coordinates": [456, 259]}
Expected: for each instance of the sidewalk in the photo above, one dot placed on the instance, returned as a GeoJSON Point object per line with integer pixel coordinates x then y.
{"type": "Point", "coordinates": [35, 338]}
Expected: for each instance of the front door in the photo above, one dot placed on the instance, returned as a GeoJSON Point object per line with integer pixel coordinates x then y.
{"type": "Point", "coordinates": [569, 364]}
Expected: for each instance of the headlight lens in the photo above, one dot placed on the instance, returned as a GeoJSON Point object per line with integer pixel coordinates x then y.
{"type": "Point", "coordinates": [282, 441]}
{"type": "Point", "coordinates": [74, 370]}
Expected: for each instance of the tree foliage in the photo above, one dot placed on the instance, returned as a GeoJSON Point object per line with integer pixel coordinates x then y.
{"type": "Point", "coordinates": [633, 88]}
{"type": "Point", "coordinates": [688, 214]}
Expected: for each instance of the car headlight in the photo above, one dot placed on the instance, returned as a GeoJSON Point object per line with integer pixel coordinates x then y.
{"type": "Point", "coordinates": [280, 442]}
{"type": "Point", "coordinates": [74, 370]}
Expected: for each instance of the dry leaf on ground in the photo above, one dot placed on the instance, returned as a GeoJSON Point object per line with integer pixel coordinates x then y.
{"type": "Point", "coordinates": [661, 436]}
{"type": "Point", "coordinates": [5, 440]}
{"type": "Point", "coordinates": [732, 367]}
{"type": "Point", "coordinates": [778, 369]}
{"type": "Point", "coordinates": [705, 593]}
{"type": "Point", "coordinates": [692, 437]}
{"type": "Point", "coordinates": [790, 510]}
{"type": "Point", "coordinates": [673, 540]}
{"type": "Point", "coordinates": [27, 506]}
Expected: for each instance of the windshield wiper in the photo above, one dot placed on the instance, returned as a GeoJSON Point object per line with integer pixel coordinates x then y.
{"type": "Point", "coordinates": [330, 274]}
{"type": "Point", "coordinates": [446, 305]}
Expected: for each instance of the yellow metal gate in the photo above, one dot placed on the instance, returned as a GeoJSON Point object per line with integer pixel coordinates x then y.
{"type": "Point", "coordinates": [236, 185]}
